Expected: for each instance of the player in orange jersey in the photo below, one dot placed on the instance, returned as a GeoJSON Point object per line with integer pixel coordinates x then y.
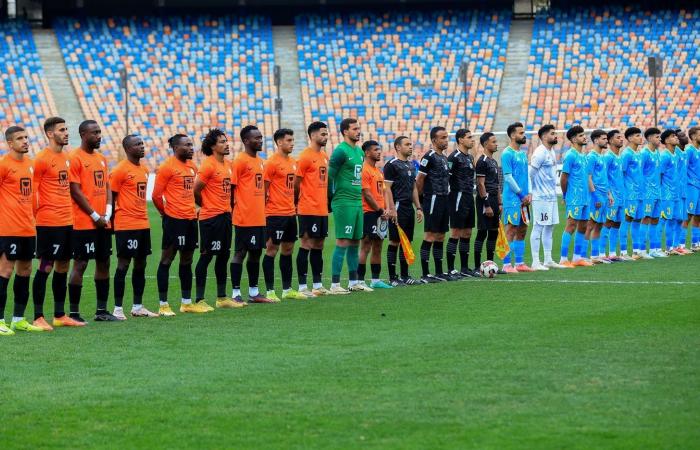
{"type": "Point", "coordinates": [92, 211]}
{"type": "Point", "coordinates": [212, 192]}
{"type": "Point", "coordinates": [248, 215]}
{"type": "Point", "coordinates": [173, 197]}
{"type": "Point", "coordinates": [375, 217]}
{"type": "Point", "coordinates": [17, 233]}
{"type": "Point", "coordinates": [311, 192]}
{"type": "Point", "coordinates": [280, 169]}
{"type": "Point", "coordinates": [54, 224]}
{"type": "Point", "coordinates": [132, 230]}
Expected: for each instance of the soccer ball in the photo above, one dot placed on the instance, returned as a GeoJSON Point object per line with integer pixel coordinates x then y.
{"type": "Point", "coordinates": [488, 269]}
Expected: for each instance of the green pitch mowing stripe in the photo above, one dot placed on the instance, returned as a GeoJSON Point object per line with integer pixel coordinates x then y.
{"type": "Point", "coordinates": [608, 358]}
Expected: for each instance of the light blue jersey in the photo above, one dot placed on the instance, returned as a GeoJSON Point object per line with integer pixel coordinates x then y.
{"type": "Point", "coordinates": [597, 170]}
{"type": "Point", "coordinates": [693, 157]}
{"type": "Point", "coordinates": [577, 186]}
{"type": "Point", "coordinates": [650, 170]}
{"type": "Point", "coordinates": [632, 174]}
{"type": "Point", "coordinates": [682, 171]}
{"type": "Point", "coordinates": [668, 167]}
{"type": "Point", "coordinates": [616, 183]}
{"type": "Point", "coordinates": [514, 162]}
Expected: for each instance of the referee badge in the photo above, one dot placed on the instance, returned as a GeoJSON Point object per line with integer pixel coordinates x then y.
{"type": "Point", "coordinates": [382, 227]}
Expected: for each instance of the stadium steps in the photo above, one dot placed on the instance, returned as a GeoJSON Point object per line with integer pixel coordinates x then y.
{"type": "Point", "coordinates": [510, 97]}
{"type": "Point", "coordinates": [285, 43]}
{"type": "Point", "coordinates": [58, 81]}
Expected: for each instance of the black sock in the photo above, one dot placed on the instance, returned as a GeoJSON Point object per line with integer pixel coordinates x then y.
{"type": "Point", "coordinates": [438, 248]}
{"type": "Point", "coordinates": [184, 272]}
{"type": "Point", "coordinates": [119, 286]}
{"type": "Point", "coordinates": [252, 266]}
{"type": "Point", "coordinates": [425, 257]}
{"type": "Point", "coordinates": [59, 285]}
{"type": "Point", "coordinates": [478, 247]}
{"type": "Point", "coordinates": [221, 272]}
{"type": "Point", "coordinates": [302, 265]}
{"type": "Point", "coordinates": [102, 294]}
{"type": "Point", "coordinates": [162, 276]}
{"type": "Point", "coordinates": [317, 265]}
{"type": "Point", "coordinates": [361, 270]}
{"type": "Point", "coordinates": [138, 283]}
{"type": "Point", "coordinates": [74, 293]}
{"type": "Point", "coordinates": [491, 244]}
{"type": "Point", "coordinates": [268, 266]}
{"type": "Point", "coordinates": [4, 282]}
{"type": "Point", "coordinates": [20, 287]}
{"type": "Point", "coordinates": [391, 260]}
{"type": "Point", "coordinates": [376, 270]}
{"type": "Point", "coordinates": [236, 274]}
{"type": "Point", "coordinates": [404, 265]}
{"type": "Point", "coordinates": [39, 292]}
{"type": "Point", "coordinates": [200, 273]}
{"type": "Point", "coordinates": [464, 254]}
{"type": "Point", "coordinates": [451, 253]}
{"type": "Point", "coordinates": [286, 270]}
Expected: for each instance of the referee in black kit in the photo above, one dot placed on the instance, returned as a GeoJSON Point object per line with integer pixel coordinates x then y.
{"type": "Point", "coordinates": [488, 199]}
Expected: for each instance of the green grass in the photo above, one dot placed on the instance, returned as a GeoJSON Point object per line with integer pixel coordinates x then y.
{"type": "Point", "coordinates": [502, 363]}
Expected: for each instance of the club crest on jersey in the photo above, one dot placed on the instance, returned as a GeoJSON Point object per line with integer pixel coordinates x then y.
{"type": "Point", "coordinates": [226, 185]}
{"type": "Point", "coordinates": [63, 178]}
{"type": "Point", "coordinates": [188, 183]}
{"type": "Point", "coordinates": [258, 181]}
{"type": "Point", "coordinates": [25, 186]}
{"type": "Point", "coordinates": [141, 190]}
{"type": "Point", "coordinates": [322, 173]}
{"type": "Point", "coordinates": [99, 178]}
{"type": "Point", "coordinates": [290, 181]}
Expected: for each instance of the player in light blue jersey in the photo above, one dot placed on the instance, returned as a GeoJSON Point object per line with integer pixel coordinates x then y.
{"type": "Point", "coordinates": [600, 196]}
{"type": "Point", "coordinates": [615, 223]}
{"type": "Point", "coordinates": [669, 193]}
{"type": "Point", "coordinates": [692, 151]}
{"type": "Point", "coordinates": [516, 195]}
{"type": "Point", "coordinates": [574, 186]}
{"type": "Point", "coordinates": [649, 229]}
{"type": "Point", "coordinates": [634, 186]}
{"type": "Point", "coordinates": [683, 187]}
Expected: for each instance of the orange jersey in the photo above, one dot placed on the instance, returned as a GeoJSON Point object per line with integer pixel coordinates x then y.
{"type": "Point", "coordinates": [216, 195]}
{"type": "Point", "coordinates": [52, 189]}
{"type": "Point", "coordinates": [372, 179]}
{"type": "Point", "coordinates": [16, 197]}
{"type": "Point", "coordinates": [129, 181]}
{"type": "Point", "coordinates": [175, 184]}
{"type": "Point", "coordinates": [89, 170]}
{"type": "Point", "coordinates": [280, 172]}
{"type": "Point", "coordinates": [249, 194]}
{"type": "Point", "coordinates": [312, 167]}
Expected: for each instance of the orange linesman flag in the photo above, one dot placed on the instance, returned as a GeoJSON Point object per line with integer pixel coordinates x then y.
{"type": "Point", "coordinates": [502, 247]}
{"type": "Point", "coordinates": [406, 246]}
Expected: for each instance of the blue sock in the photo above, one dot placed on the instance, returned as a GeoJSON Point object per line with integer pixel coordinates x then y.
{"type": "Point", "coordinates": [634, 231]}
{"type": "Point", "coordinates": [670, 234]}
{"type": "Point", "coordinates": [565, 242]}
{"type": "Point", "coordinates": [643, 236]}
{"type": "Point", "coordinates": [614, 234]}
{"type": "Point", "coordinates": [623, 237]}
{"type": "Point", "coordinates": [696, 235]}
{"type": "Point", "coordinates": [580, 245]}
{"type": "Point", "coordinates": [508, 257]}
{"type": "Point", "coordinates": [519, 252]}
{"type": "Point", "coordinates": [682, 233]}
{"type": "Point", "coordinates": [655, 239]}
{"type": "Point", "coordinates": [603, 241]}
{"type": "Point", "coordinates": [595, 247]}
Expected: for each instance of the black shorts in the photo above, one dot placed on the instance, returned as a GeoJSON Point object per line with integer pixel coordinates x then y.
{"type": "Point", "coordinates": [281, 229]}
{"type": "Point", "coordinates": [437, 214]}
{"type": "Point", "coordinates": [92, 244]}
{"type": "Point", "coordinates": [406, 217]}
{"type": "Point", "coordinates": [313, 226]}
{"type": "Point", "coordinates": [483, 222]}
{"type": "Point", "coordinates": [216, 234]}
{"type": "Point", "coordinates": [18, 248]}
{"type": "Point", "coordinates": [461, 210]}
{"type": "Point", "coordinates": [180, 233]}
{"type": "Point", "coordinates": [369, 229]}
{"type": "Point", "coordinates": [54, 243]}
{"type": "Point", "coordinates": [249, 238]}
{"type": "Point", "coordinates": [133, 243]}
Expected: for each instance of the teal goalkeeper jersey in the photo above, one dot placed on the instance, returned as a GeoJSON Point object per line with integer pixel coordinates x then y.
{"type": "Point", "coordinates": [345, 174]}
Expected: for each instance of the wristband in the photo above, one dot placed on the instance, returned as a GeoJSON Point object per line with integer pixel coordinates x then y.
{"type": "Point", "coordinates": [94, 216]}
{"type": "Point", "coordinates": [419, 209]}
{"type": "Point", "coordinates": [108, 213]}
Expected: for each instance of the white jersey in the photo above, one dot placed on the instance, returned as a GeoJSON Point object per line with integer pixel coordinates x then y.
{"type": "Point", "coordinates": [543, 175]}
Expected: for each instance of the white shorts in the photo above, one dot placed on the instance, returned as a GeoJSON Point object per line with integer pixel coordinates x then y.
{"type": "Point", "coordinates": [545, 212]}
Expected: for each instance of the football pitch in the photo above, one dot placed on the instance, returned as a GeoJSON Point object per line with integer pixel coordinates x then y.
{"type": "Point", "coordinates": [607, 356]}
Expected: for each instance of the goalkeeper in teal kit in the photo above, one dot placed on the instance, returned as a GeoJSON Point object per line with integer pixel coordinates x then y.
{"type": "Point", "coordinates": [345, 176]}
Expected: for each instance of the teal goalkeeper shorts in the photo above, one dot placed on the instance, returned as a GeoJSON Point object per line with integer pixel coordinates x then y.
{"type": "Point", "coordinates": [348, 222]}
